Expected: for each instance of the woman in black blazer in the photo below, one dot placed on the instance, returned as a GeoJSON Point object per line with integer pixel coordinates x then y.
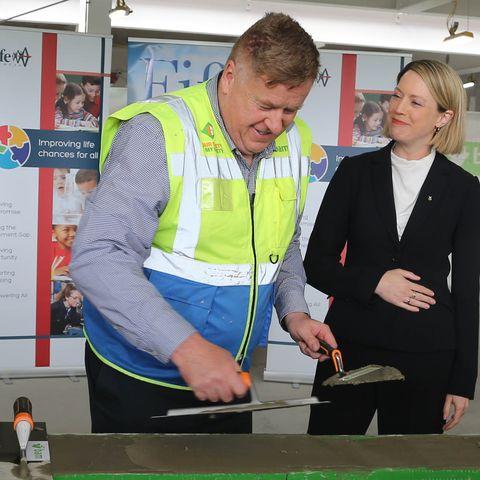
{"type": "Point", "coordinates": [402, 211]}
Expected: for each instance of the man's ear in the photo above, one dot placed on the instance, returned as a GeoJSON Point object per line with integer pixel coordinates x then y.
{"type": "Point", "coordinates": [228, 76]}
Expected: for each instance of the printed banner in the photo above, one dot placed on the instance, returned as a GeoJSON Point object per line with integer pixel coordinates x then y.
{"type": "Point", "coordinates": [155, 68]}
{"type": "Point", "coordinates": [53, 91]}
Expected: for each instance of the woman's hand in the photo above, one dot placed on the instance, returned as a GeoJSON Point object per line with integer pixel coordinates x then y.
{"type": "Point", "coordinates": [459, 406]}
{"type": "Point", "coordinates": [396, 287]}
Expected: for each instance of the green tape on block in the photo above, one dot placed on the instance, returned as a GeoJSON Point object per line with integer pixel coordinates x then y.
{"type": "Point", "coordinates": [389, 474]}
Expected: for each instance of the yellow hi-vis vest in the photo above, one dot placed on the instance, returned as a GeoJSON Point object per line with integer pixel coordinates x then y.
{"type": "Point", "coordinates": [217, 250]}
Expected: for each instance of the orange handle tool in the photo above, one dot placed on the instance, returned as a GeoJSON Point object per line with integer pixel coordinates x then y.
{"type": "Point", "coordinates": [22, 410]}
{"type": "Point", "coordinates": [246, 379]}
{"type": "Point", "coordinates": [335, 354]}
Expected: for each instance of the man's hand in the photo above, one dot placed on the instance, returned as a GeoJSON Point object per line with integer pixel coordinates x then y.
{"type": "Point", "coordinates": [396, 288]}
{"type": "Point", "coordinates": [211, 371]}
{"type": "Point", "coordinates": [306, 332]}
{"type": "Point", "coordinates": [459, 405]}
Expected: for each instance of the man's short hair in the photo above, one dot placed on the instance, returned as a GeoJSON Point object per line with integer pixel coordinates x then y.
{"type": "Point", "coordinates": [280, 49]}
{"type": "Point", "coordinates": [91, 80]}
{"type": "Point", "coordinates": [84, 176]}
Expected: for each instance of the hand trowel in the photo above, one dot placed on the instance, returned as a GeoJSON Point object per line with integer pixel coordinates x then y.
{"type": "Point", "coordinates": [254, 405]}
{"type": "Point", "coordinates": [366, 374]}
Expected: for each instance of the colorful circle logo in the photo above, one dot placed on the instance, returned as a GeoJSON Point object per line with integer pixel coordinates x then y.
{"type": "Point", "coordinates": [14, 147]}
{"type": "Point", "coordinates": [319, 163]}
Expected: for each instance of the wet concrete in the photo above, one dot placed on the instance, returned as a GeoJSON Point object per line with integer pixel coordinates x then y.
{"type": "Point", "coordinates": [258, 453]}
{"type": "Point", "coordinates": [32, 471]}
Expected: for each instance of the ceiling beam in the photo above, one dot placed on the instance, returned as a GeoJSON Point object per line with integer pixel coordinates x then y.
{"type": "Point", "coordinates": [466, 71]}
{"type": "Point", "coordinates": [419, 6]}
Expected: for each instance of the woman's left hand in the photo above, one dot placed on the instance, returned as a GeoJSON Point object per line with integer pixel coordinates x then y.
{"type": "Point", "coordinates": [459, 405]}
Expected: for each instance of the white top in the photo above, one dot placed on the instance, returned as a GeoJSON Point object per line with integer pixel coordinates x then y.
{"type": "Point", "coordinates": [408, 177]}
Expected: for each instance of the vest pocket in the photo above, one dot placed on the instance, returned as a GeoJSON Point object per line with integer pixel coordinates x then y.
{"type": "Point", "coordinates": [286, 207]}
{"type": "Point", "coordinates": [216, 194]}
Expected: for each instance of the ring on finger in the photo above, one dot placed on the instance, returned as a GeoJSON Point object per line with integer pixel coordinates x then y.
{"type": "Point", "coordinates": [407, 301]}
{"type": "Point", "coordinates": [413, 295]}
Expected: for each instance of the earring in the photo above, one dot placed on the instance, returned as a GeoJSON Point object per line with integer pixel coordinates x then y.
{"type": "Point", "coordinates": [437, 129]}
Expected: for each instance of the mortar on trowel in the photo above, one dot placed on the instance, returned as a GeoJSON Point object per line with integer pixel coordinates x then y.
{"type": "Point", "coordinates": [367, 374]}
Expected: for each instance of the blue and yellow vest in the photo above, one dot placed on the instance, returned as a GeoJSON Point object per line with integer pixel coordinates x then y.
{"type": "Point", "coordinates": [217, 251]}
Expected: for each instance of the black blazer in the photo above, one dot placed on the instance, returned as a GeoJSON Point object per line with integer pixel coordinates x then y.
{"type": "Point", "coordinates": [358, 208]}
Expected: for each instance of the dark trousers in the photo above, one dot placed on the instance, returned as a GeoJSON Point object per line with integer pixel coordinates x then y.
{"type": "Point", "coordinates": [122, 404]}
{"type": "Point", "coordinates": [413, 406]}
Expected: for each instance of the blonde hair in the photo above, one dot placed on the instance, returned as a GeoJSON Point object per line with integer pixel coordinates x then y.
{"type": "Point", "coordinates": [279, 48]}
{"type": "Point", "coordinates": [447, 90]}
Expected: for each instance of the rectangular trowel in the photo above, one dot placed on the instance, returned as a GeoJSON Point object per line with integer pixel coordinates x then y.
{"type": "Point", "coordinates": [254, 405]}
{"type": "Point", "coordinates": [367, 374]}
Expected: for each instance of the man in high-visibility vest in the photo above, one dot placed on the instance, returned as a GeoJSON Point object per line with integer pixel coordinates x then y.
{"type": "Point", "coordinates": [193, 235]}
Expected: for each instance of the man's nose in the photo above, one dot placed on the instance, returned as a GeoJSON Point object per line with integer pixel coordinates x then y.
{"type": "Point", "coordinates": [275, 122]}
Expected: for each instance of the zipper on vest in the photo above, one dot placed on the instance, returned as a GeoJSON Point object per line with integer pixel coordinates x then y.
{"type": "Point", "coordinates": [243, 350]}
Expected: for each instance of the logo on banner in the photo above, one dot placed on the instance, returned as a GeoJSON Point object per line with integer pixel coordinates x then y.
{"type": "Point", "coordinates": [324, 77]}
{"type": "Point", "coordinates": [318, 163]}
{"type": "Point", "coordinates": [15, 147]}
{"type": "Point", "coordinates": [17, 58]}
{"type": "Point", "coordinates": [208, 130]}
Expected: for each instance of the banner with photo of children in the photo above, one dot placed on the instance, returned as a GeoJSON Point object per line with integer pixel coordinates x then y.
{"type": "Point", "coordinates": [71, 188]}
{"type": "Point", "coordinates": [370, 114]}
{"type": "Point", "coordinates": [77, 102]}
{"type": "Point", "coordinates": [53, 94]}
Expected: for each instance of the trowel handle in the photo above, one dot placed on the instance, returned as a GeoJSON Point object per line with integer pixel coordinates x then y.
{"type": "Point", "coordinates": [335, 354]}
{"type": "Point", "coordinates": [246, 379]}
{"type": "Point", "coordinates": [22, 405]}
{"type": "Point", "coordinates": [22, 411]}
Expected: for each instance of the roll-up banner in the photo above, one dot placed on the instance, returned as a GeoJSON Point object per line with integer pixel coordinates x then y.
{"type": "Point", "coordinates": [53, 92]}
{"type": "Point", "coordinates": [348, 83]}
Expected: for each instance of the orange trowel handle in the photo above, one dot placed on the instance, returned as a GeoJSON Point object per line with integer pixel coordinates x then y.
{"type": "Point", "coordinates": [22, 411]}
{"type": "Point", "coordinates": [334, 353]}
{"type": "Point", "coordinates": [246, 379]}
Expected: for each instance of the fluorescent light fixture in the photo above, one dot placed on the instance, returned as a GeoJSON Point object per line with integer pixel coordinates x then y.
{"type": "Point", "coordinates": [470, 82]}
{"type": "Point", "coordinates": [121, 8]}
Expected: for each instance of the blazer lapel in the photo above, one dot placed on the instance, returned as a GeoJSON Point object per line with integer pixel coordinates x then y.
{"type": "Point", "coordinates": [429, 195]}
{"type": "Point", "coordinates": [383, 190]}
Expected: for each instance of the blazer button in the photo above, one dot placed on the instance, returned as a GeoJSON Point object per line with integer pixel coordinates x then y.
{"type": "Point", "coordinates": [394, 260]}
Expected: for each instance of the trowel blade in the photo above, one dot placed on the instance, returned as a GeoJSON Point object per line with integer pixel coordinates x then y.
{"type": "Point", "coordinates": [368, 374]}
{"type": "Point", "coordinates": [241, 407]}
